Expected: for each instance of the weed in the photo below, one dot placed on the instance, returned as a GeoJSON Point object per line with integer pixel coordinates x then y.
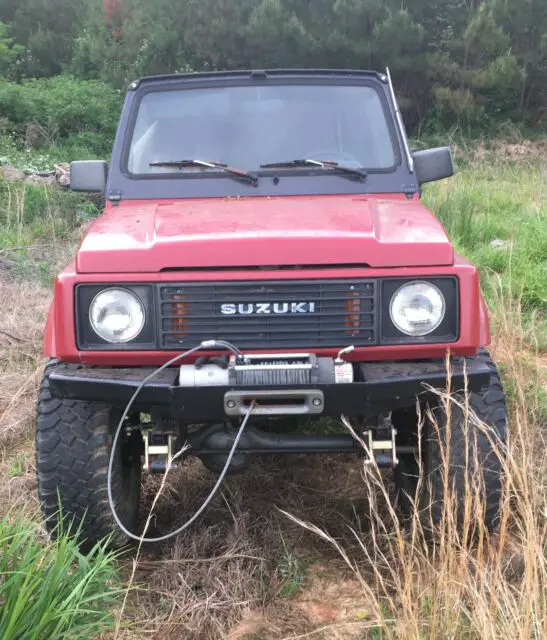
{"type": "Point", "coordinates": [38, 214]}
{"type": "Point", "coordinates": [291, 572]}
{"type": "Point", "coordinates": [18, 466]}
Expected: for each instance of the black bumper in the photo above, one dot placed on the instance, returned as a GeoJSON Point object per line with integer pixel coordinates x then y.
{"type": "Point", "coordinates": [381, 386]}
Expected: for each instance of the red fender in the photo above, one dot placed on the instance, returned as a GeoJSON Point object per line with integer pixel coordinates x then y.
{"type": "Point", "coordinates": [49, 349]}
{"type": "Point", "coordinates": [484, 335]}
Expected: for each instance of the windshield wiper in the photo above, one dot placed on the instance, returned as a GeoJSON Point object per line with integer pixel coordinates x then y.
{"type": "Point", "coordinates": [324, 164]}
{"type": "Point", "coordinates": [211, 164]}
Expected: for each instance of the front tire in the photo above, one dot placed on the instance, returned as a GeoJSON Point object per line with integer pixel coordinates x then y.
{"type": "Point", "coordinates": [73, 445]}
{"type": "Point", "coordinates": [457, 449]}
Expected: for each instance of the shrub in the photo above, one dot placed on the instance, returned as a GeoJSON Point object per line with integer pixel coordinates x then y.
{"type": "Point", "coordinates": [62, 107]}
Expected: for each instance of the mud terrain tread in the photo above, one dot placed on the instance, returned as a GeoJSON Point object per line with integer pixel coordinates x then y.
{"type": "Point", "coordinates": [73, 441]}
{"type": "Point", "coordinates": [490, 407]}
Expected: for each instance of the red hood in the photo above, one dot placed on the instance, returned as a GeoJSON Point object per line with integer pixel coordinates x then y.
{"type": "Point", "coordinates": [146, 236]}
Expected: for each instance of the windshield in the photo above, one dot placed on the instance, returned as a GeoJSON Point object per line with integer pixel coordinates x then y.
{"type": "Point", "coordinates": [249, 126]}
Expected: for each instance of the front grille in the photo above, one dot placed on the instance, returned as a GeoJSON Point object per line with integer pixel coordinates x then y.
{"type": "Point", "coordinates": [292, 314]}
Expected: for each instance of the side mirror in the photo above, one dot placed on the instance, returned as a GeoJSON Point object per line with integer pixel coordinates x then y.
{"type": "Point", "coordinates": [88, 175]}
{"type": "Point", "coordinates": [433, 164]}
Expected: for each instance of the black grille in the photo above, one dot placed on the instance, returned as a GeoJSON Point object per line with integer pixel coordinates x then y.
{"type": "Point", "coordinates": [292, 314]}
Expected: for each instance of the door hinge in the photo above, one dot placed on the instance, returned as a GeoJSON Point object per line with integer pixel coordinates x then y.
{"type": "Point", "coordinates": [114, 197]}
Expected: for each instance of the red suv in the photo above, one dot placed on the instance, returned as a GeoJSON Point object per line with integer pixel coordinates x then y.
{"type": "Point", "coordinates": [263, 254]}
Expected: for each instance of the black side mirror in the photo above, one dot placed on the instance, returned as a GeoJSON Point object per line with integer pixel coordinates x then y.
{"type": "Point", "coordinates": [88, 175]}
{"type": "Point", "coordinates": [433, 164]}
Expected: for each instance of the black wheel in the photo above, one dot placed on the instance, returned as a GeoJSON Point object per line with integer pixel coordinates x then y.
{"type": "Point", "coordinates": [474, 458]}
{"type": "Point", "coordinates": [73, 445]}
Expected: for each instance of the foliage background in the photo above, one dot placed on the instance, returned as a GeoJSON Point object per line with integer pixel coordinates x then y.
{"type": "Point", "coordinates": [479, 65]}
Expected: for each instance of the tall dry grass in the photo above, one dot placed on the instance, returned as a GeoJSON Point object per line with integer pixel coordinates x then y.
{"type": "Point", "coordinates": [446, 586]}
{"type": "Point", "coordinates": [22, 319]}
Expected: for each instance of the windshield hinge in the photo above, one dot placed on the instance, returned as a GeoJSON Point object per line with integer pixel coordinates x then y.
{"type": "Point", "coordinates": [409, 191]}
{"type": "Point", "coordinates": [114, 197]}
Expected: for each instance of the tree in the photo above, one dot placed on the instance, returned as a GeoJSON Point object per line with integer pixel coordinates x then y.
{"type": "Point", "coordinates": [270, 23]}
{"type": "Point", "coordinates": [46, 29]}
{"type": "Point", "coordinates": [10, 52]}
{"type": "Point", "coordinates": [525, 24]}
{"type": "Point", "coordinates": [148, 42]}
{"type": "Point", "coordinates": [464, 61]}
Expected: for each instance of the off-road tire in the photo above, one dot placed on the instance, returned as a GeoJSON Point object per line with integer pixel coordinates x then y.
{"type": "Point", "coordinates": [477, 455]}
{"type": "Point", "coordinates": [73, 445]}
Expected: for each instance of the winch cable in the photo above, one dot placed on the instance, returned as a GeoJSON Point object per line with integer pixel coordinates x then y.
{"type": "Point", "coordinates": [207, 344]}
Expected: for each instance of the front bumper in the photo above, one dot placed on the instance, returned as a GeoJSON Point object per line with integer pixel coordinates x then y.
{"type": "Point", "coordinates": [380, 387]}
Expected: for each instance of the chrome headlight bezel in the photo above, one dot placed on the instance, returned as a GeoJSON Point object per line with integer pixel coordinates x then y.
{"type": "Point", "coordinates": [88, 339]}
{"type": "Point", "coordinates": [429, 293]}
{"type": "Point", "coordinates": [445, 331]}
{"type": "Point", "coordinates": [125, 300]}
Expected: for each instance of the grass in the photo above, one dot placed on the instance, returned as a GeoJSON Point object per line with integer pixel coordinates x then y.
{"type": "Point", "coordinates": [445, 587]}
{"type": "Point", "coordinates": [37, 224]}
{"type": "Point", "coordinates": [343, 566]}
{"type": "Point", "coordinates": [496, 214]}
{"type": "Point", "coordinates": [31, 213]}
{"type": "Point", "coordinates": [291, 571]}
{"type": "Point", "coordinates": [48, 589]}
{"type": "Point", "coordinates": [18, 466]}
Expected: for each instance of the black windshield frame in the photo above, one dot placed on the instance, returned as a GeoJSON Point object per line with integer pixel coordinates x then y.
{"type": "Point", "coordinates": [305, 181]}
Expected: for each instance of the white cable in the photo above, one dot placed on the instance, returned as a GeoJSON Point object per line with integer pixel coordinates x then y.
{"type": "Point", "coordinates": [207, 345]}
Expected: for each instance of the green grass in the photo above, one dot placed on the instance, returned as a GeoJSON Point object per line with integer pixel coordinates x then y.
{"type": "Point", "coordinates": [38, 217]}
{"type": "Point", "coordinates": [48, 589]}
{"type": "Point", "coordinates": [504, 202]}
{"type": "Point", "coordinates": [291, 572]}
{"type": "Point", "coordinates": [508, 203]}
{"type": "Point", "coordinates": [38, 213]}
{"type": "Point", "coordinates": [19, 465]}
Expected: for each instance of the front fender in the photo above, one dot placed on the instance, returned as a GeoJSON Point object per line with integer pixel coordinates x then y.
{"type": "Point", "coordinates": [50, 348]}
{"type": "Point", "coordinates": [484, 333]}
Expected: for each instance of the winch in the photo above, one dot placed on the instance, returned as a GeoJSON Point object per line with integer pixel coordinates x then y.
{"type": "Point", "coordinates": [285, 381]}
{"type": "Point", "coordinates": [282, 369]}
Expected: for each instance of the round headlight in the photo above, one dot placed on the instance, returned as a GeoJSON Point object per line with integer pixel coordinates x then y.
{"type": "Point", "coordinates": [417, 308]}
{"type": "Point", "coordinates": [116, 315]}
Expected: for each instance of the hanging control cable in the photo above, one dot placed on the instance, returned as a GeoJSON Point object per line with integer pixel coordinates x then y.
{"type": "Point", "coordinates": [207, 344]}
